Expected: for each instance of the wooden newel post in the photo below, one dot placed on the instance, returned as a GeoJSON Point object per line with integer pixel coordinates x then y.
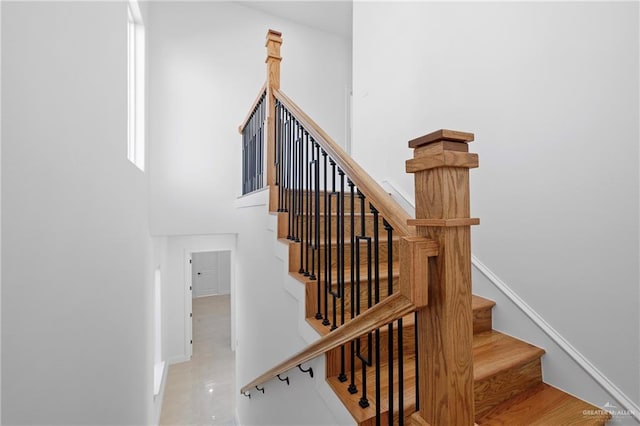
{"type": "Point", "coordinates": [273, 43]}
{"type": "Point", "coordinates": [441, 166]}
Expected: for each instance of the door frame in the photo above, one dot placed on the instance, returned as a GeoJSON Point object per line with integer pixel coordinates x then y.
{"type": "Point", "coordinates": [188, 295]}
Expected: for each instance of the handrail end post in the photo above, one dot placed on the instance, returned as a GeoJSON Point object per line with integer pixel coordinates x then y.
{"type": "Point", "coordinates": [273, 59]}
{"type": "Point", "coordinates": [441, 164]}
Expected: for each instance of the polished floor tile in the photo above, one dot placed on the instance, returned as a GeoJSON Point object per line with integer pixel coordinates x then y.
{"type": "Point", "coordinates": [201, 391]}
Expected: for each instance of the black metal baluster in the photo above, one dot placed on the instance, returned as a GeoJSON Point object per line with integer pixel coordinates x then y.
{"type": "Point", "coordinates": [252, 160]}
{"type": "Point", "coordinates": [247, 158]}
{"type": "Point", "coordinates": [389, 230]}
{"type": "Point", "coordinates": [313, 210]}
{"type": "Point", "coordinates": [263, 106]}
{"type": "Point", "coordinates": [364, 402]}
{"type": "Point", "coordinates": [288, 169]}
{"type": "Point", "coordinates": [376, 255]}
{"type": "Point", "coordinates": [277, 153]}
{"type": "Point", "coordinates": [300, 228]}
{"type": "Point", "coordinates": [298, 181]}
{"type": "Point", "coordinates": [317, 225]}
{"type": "Point", "coordinates": [341, 217]}
{"type": "Point", "coordinates": [390, 370]}
{"type": "Point", "coordinates": [327, 246]}
{"type": "Point", "coordinates": [301, 216]}
{"type": "Point", "coordinates": [307, 200]}
{"type": "Point", "coordinates": [376, 265]}
{"type": "Point", "coordinates": [283, 168]}
{"type": "Point", "coordinates": [259, 156]}
{"type": "Point", "coordinates": [294, 183]}
{"type": "Point", "coordinates": [333, 294]}
{"type": "Point", "coordinates": [415, 320]}
{"type": "Point", "coordinates": [244, 160]}
{"type": "Point", "coordinates": [292, 174]}
{"type": "Point", "coordinates": [377, 375]}
{"type": "Point", "coordinates": [280, 143]}
{"type": "Point", "coordinates": [352, 385]}
{"type": "Point", "coordinates": [400, 375]}
{"type": "Point", "coordinates": [252, 153]}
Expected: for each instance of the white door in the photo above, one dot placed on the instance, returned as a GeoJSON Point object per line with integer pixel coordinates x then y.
{"type": "Point", "coordinates": [205, 274]}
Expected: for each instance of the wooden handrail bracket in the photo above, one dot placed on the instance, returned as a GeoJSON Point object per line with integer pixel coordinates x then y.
{"type": "Point", "coordinates": [414, 269]}
{"type": "Point", "coordinates": [390, 309]}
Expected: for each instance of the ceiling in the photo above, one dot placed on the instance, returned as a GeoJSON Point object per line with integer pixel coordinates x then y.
{"type": "Point", "coordinates": [331, 16]}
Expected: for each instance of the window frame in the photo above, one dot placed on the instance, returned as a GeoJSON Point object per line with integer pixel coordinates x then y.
{"type": "Point", "coordinates": [135, 85]}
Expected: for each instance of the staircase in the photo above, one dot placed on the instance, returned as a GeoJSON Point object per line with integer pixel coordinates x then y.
{"type": "Point", "coordinates": [507, 372]}
{"type": "Point", "coordinates": [404, 340]}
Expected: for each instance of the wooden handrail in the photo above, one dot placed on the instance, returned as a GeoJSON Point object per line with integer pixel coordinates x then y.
{"type": "Point", "coordinates": [253, 106]}
{"type": "Point", "coordinates": [390, 309]}
{"type": "Point", "coordinates": [388, 208]}
{"type": "Point", "coordinates": [435, 255]}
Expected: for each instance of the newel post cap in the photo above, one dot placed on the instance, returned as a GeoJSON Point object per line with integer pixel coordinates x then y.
{"type": "Point", "coordinates": [273, 43]}
{"type": "Point", "coordinates": [442, 135]}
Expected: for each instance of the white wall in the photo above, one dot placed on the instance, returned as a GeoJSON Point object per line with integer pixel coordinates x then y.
{"type": "Point", "coordinates": [177, 300]}
{"type": "Point", "coordinates": [268, 331]}
{"type": "Point", "coordinates": [0, 220]}
{"type": "Point", "coordinates": [551, 91]}
{"type": "Point", "coordinates": [75, 247]}
{"type": "Point", "coordinates": [159, 260]}
{"type": "Point", "coordinates": [207, 62]}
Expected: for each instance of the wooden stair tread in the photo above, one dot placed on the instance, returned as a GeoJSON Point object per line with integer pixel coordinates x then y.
{"type": "Point", "coordinates": [478, 302]}
{"type": "Point", "coordinates": [544, 406]}
{"type": "Point", "coordinates": [494, 352]}
{"type": "Point", "coordinates": [366, 415]}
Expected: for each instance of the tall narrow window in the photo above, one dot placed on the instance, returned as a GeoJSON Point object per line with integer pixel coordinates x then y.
{"type": "Point", "coordinates": [135, 85]}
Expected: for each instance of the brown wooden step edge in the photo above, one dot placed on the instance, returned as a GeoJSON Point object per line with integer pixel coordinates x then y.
{"type": "Point", "coordinates": [498, 361]}
{"type": "Point", "coordinates": [366, 416]}
{"type": "Point", "coordinates": [544, 405]}
{"type": "Point", "coordinates": [502, 368]}
{"type": "Point", "coordinates": [481, 313]}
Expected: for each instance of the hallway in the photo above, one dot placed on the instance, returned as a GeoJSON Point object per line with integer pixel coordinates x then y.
{"type": "Point", "coordinates": [201, 391]}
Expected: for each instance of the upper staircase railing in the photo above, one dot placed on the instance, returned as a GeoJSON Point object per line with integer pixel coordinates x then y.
{"type": "Point", "coordinates": [252, 132]}
{"type": "Point", "coordinates": [368, 263]}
